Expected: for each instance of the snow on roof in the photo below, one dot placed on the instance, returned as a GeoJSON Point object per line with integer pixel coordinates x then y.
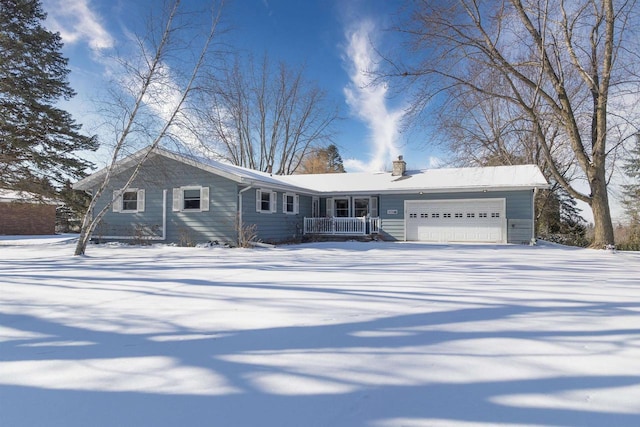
{"type": "Point", "coordinates": [235, 173]}
{"type": "Point", "coordinates": [10, 195]}
{"type": "Point", "coordinates": [22, 196]}
{"type": "Point", "coordinates": [527, 176]}
{"type": "Point", "coordinates": [431, 180]}
{"type": "Point", "coordinates": [238, 173]}
{"type": "Point", "coordinates": [243, 173]}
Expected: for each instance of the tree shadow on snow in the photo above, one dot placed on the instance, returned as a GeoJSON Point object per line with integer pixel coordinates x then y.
{"type": "Point", "coordinates": [340, 401]}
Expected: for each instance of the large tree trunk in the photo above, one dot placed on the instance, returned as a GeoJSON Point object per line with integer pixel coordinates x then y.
{"type": "Point", "coordinates": [547, 59]}
{"type": "Point", "coordinates": [603, 226]}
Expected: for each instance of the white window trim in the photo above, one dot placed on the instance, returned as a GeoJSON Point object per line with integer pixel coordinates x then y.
{"type": "Point", "coordinates": [178, 198]}
{"type": "Point", "coordinates": [273, 201]}
{"type": "Point", "coordinates": [118, 203]}
{"type": "Point", "coordinates": [296, 203]}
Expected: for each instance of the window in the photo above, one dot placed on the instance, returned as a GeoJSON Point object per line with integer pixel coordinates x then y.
{"type": "Point", "coordinates": [495, 215]}
{"type": "Point", "coordinates": [471, 215]}
{"type": "Point", "coordinates": [266, 201]}
{"type": "Point", "coordinates": [341, 208]}
{"type": "Point", "coordinates": [446, 215]}
{"type": "Point", "coordinates": [458, 215]}
{"type": "Point", "coordinates": [191, 199]}
{"type": "Point", "coordinates": [482, 215]}
{"type": "Point", "coordinates": [413, 215]}
{"type": "Point", "coordinates": [361, 207]}
{"type": "Point", "coordinates": [129, 201]}
{"type": "Point", "coordinates": [290, 203]}
{"type": "Point", "coordinates": [435, 215]}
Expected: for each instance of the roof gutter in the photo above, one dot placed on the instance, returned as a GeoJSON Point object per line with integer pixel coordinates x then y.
{"type": "Point", "coordinates": [430, 190]}
{"type": "Point", "coordinates": [284, 187]}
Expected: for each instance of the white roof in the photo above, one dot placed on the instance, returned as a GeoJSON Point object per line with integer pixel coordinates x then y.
{"type": "Point", "coordinates": [22, 196]}
{"type": "Point", "coordinates": [235, 173]}
{"type": "Point", "coordinates": [431, 180]}
{"type": "Point", "coordinates": [10, 195]}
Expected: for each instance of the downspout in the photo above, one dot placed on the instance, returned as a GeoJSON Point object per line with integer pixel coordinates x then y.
{"type": "Point", "coordinates": [533, 217]}
{"type": "Point", "coordinates": [240, 210]}
{"type": "Point", "coordinates": [164, 215]}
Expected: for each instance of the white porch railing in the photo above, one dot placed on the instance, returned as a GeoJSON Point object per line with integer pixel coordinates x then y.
{"type": "Point", "coordinates": [347, 226]}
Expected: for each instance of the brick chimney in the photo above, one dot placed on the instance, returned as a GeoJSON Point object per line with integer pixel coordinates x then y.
{"type": "Point", "coordinates": [399, 167]}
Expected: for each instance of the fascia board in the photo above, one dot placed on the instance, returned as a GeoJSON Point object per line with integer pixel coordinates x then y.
{"type": "Point", "coordinates": [430, 190]}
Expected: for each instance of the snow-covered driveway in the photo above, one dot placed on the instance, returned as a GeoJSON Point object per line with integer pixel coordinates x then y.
{"type": "Point", "coordinates": [331, 334]}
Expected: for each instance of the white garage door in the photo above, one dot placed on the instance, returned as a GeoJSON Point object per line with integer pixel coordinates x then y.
{"type": "Point", "coordinates": [471, 220]}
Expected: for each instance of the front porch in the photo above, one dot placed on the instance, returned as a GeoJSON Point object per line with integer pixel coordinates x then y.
{"type": "Point", "coordinates": [342, 226]}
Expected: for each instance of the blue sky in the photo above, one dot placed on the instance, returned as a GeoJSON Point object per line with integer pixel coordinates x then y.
{"type": "Point", "coordinates": [334, 39]}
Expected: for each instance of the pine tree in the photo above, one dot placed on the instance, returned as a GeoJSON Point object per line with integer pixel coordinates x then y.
{"type": "Point", "coordinates": [323, 160]}
{"type": "Point", "coordinates": [631, 200]}
{"type": "Point", "coordinates": [631, 197]}
{"type": "Point", "coordinates": [73, 206]}
{"type": "Point", "coordinates": [334, 160]}
{"type": "Point", "coordinates": [38, 142]}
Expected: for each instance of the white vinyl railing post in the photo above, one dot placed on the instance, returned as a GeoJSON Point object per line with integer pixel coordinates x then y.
{"type": "Point", "coordinates": [342, 226]}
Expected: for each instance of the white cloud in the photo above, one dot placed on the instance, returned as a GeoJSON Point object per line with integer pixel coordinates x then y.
{"type": "Point", "coordinates": [76, 22]}
{"type": "Point", "coordinates": [355, 165]}
{"type": "Point", "coordinates": [367, 99]}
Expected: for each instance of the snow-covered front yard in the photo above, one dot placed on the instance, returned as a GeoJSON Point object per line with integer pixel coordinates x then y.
{"type": "Point", "coordinates": [331, 334]}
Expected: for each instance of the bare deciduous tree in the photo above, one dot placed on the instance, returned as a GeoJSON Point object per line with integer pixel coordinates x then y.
{"type": "Point", "coordinates": [562, 64]}
{"type": "Point", "coordinates": [481, 130]}
{"type": "Point", "coordinates": [264, 118]}
{"type": "Point", "coordinates": [150, 99]}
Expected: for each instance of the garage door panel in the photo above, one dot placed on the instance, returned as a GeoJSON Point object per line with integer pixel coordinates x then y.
{"type": "Point", "coordinates": [456, 221]}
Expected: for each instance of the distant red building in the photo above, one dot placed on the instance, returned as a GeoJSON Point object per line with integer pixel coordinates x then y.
{"type": "Point", "coordinates": [22, 214]}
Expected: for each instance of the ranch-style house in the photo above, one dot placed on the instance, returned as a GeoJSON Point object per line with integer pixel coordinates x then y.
{"type": "Point", "coordinates": [186, 199]}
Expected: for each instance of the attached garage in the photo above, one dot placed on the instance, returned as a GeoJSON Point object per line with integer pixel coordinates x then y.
{"type": "Point", "coordinates": [468, 220]}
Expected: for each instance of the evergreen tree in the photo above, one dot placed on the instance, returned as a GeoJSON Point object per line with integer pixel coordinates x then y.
{"type": "Point", "coordinates": [38, 141]}
{"type": "Point", "coordinates": [558, 218]}
{"type": "Point", "coordinates": [322, 160]}
{"type": "Point", "coordinates": [334, 160]}
{"type": "Point", "coordinates": [631, 198]}
{"type": "Point", "coordinates": [73, 206]}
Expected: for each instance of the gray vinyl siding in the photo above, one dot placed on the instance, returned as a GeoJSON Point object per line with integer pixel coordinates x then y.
{"type": "Point", "coordinates": [161, 174]}
{"type": "Point", "coordinates": [129, 224]}
{"type": "Point", "coordinates": [275, 227]}
{"type": "Point", "coordinates": [518, 208]}
{"type": "Point", "coordinates": [187, 228]}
